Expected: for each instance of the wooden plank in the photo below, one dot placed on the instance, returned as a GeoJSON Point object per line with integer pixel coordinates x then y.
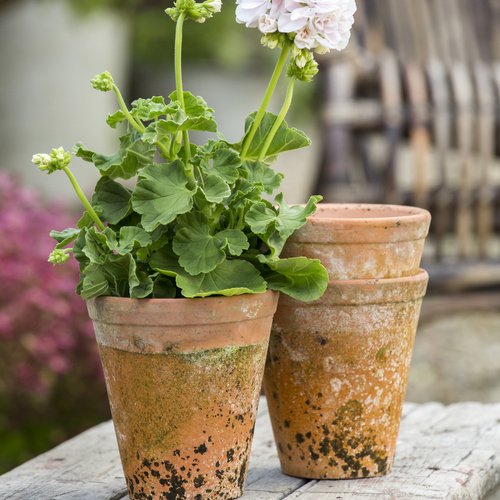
{"type": "Point", "coordinates": [444, 452]}
{"type": "Point", "coordinates": [86, 467]}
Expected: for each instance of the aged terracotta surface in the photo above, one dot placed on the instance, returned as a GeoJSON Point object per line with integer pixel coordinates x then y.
{"type": "Point", "coordinates": [336, 376]}
{"type": "Point", "coordinates": [183, 379]}
{"type": "Point", "coordinates": [363, 241]}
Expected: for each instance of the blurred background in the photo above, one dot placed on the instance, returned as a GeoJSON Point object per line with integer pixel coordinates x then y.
{"type": "Point", "coordinates": [409, 114]}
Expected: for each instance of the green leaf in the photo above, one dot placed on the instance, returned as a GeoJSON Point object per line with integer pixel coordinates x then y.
{"type": "Point", "coordinates": [86, 220]}
{"type": "Point", "coordinates": [234, 239]}
{"type": "Point", "coordinates": [232, 277]}
{"type": "Point", "coordinates": [198, 251]}
{"type": "Point", "coordinates": [286, 138]}
{"type": "Point", "coordinates": [130, 237]}
{"type": "Point", "coordinates": [112, 199]}
{"type": "Point", "coordinates": [133, 155]}
{"type": "Point", "coordinates": [261, 218]}
{"type": "Point", "coordinates": [198, 114]}
{"type": "Point", "coordinates": [294, 217]}
{"type": "Point", "coordinates": [96, 246]}
{"type": "Point", "coordinates": [165, 261]}
{"type": "Point", "coordinates": [65, 237]}
{"type": "Point", "coordinates": [225, 164]}
{"type": "Point", "coordinates": [215, 189]}
{"type": "Point", "coordinates": [95, 283]}
{"type": "Point", "coordinates": [164, 288]}
{"type": "Point", "coordinates": [261, 174]}
{"type": "Point", "coordinates": [114, 119]}
{"type": "Point", "coordinates": [161, 194]}
{"type": "Point", "coordinates": [301, 278]}
{"type": "Point", "coordinates": [274, 227]}
{"type": "Point", "coordinates": [149, 109]}
{"type": "Point", "coordinates": [82, 152]}
{"type": "Point", "coordinates": [128, 280]}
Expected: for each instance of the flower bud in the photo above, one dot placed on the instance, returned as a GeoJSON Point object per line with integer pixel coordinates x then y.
{"type": "Point", "coordinates": [304, 73]}
{"type": "Point", "coordinates": [57, 160]}
{"type": "Point", "coordinates": [59, 256]}
{"type": "Point", "coordinates": [103, 82]}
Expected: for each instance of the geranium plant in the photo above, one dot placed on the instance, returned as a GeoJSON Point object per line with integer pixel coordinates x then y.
{"type": "Point", "coordinates": [198, 222]}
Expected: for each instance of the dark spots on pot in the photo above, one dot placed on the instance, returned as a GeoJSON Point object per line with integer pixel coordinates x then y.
{"type": "Point", "coordinates": [201, 449]}
{"type": "Point", "coordinates": [323, 341]}
{"type": "Point", "coordinates": [230, 455]}
{"type": "Point", "coordinates": [347, 443]}
{"type": "Point", "coordinates": [280, 447]}
{"type": "Point", "coordinates": [320, 394]}
{"type": "Point", "coordinates": [289, 446]}
{"type": "Point", "coordinates": [308, 402]}
{"type": "Point", "coordinates": [275, 396]}
{"type": "Point", "coordinates": [286, 423]}
{"type": "Point", "coordinates": [243, 472]}
{"type": "Point", "coordinates": [199, 481]}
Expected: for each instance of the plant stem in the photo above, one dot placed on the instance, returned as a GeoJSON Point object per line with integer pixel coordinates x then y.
{"type": "Point", "coordinates": [279, 118]}
{"type": "Point", "coordinates": [83, 199]}
{"type": "Point", "coordinates": [138, 126]}
{"type": "Point", "coordinates": [178, 78]}
{"type": "Point", "coordinates": [265, 102]}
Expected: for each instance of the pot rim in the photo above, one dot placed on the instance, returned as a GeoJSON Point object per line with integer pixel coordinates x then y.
{"type": "Point", "coordinates": [214, 309]}
{"type": "Point", "coordinates": [368, 291]}
{"type": "Point", "coordinates": [379, 214]}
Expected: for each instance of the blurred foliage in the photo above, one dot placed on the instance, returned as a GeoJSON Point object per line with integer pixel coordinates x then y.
{"type": "Point", "coordinates": [51, 383]}
{"type": "Point", "coordinates": [219, 40]}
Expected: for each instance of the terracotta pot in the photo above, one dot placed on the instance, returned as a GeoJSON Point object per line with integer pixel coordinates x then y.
{"type": "Point", "coordinates": [336, 376]}
{"type": "Point", "coordinates": [363, 241]}
{"type": "Point", "coordinates": [183, 379]}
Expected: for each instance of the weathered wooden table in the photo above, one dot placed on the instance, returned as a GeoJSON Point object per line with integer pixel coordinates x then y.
{"type": "Point", "coordinates": [444, 452]}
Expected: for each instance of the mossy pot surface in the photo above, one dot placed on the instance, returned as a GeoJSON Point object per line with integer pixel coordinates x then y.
{"type": "Point", "coordinates": [336, 376]}
{"type": "Point", "coordinates": [363, 241]}
{"type": "Point", "coordinates": [183, 379]}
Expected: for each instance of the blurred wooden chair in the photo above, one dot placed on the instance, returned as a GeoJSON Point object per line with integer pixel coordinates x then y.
{"type": "Point", "coordinates": [410, 115]}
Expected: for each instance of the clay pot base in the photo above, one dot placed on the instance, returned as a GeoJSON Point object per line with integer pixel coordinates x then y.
{"type": "Point", "coordinates": [336, 376]}
{"type": "Point", "coordinates": [193, 440]}
{"type": "Point", "coordinates": [184, 379]}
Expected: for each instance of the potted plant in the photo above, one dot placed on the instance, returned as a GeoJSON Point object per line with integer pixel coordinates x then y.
{"type": "Point", "coordinates": [181, 272]}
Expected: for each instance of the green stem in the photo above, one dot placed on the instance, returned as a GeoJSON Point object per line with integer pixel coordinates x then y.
{"type": "Point", "coordinates": [178, 78]}
{"type": "Point", "coordinates": [138, 126]}
{"type": "Point", "coordinates": [279, 119]}
{"type": "Point", "coordinates": [265, 102]}
{"type": "Point", "coordinates": [83, 199]}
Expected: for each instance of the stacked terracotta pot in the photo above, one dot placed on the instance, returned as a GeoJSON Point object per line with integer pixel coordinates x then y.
{"type": "Point", "coordinates": [337, 368]}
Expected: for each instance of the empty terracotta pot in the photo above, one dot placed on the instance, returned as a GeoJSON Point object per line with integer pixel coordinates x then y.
{"type": "Point", "coordinates": [363, 241]}
{"type": "Point", "coordinates": [336, 376]}
{"type": "Point", "coordinates": [183, 379]}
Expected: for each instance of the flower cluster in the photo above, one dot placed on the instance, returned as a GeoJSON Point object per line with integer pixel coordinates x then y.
{"type": "Point", "coordinates": [319, 25]}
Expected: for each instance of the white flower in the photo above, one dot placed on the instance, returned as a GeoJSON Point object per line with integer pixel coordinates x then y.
{"type": "Point", "coordinates": [267, 24]}
{"type": "Point", "coordinates": [248, 12]}
{"type": "Point", "coordinates": [318, 22]}
{"type": "Point", "coordinates": [216, 5]}
{"type": "Point", "coordinates": [306, 38]}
